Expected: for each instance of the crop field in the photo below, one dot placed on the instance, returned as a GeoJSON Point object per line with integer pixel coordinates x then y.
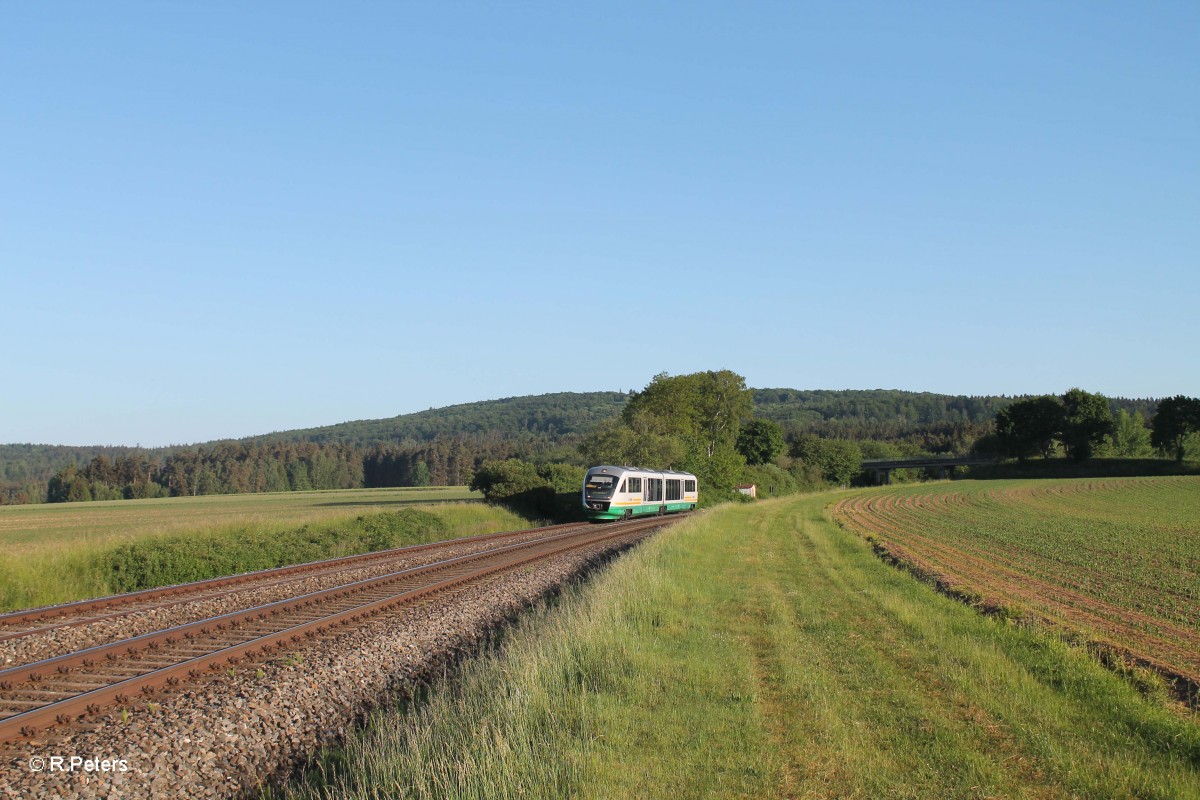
{"type": "Point", "coordinates": [1114, 562]}
{"type": "Point", "coordinates": [30, 527]}
{"type": "Point", "coordinates": [65, 551]}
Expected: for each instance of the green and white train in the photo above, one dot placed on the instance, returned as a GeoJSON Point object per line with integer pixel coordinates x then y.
{"type": "Point", "coordinates": [622, 492]}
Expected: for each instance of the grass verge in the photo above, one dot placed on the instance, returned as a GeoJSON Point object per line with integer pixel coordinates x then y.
{"type": "Point", "coordinates": [761, 651]}
{"type": "Point", "coordinates": [64, 571]}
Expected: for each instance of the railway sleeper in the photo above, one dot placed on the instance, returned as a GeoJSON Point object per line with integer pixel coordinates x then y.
{"type": "Point", "coordinates": [23, 705]}
{"type": "Point", "coordinates": [77, 687]}
{"type": "Point", "coordinates": [49, 695]}
{"type": "Point", "coordinates": [159, 663]}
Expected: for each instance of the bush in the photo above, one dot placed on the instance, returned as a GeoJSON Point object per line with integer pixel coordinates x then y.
{"type": "Point", "coordinates": [180, 559]}
{"type": "Point", "coordinates": [838, 460]}
{"type": "Point", "coordinates": [550, 491]}
{"type": "Point", "coordinates": [770, 480]}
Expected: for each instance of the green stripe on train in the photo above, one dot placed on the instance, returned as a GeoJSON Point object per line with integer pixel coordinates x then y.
{"type": "Point", "coordinates": [638, 511]}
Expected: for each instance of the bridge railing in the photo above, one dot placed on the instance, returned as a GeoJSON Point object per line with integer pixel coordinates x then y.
{"type": "Point", "coordinates": [916, 463]}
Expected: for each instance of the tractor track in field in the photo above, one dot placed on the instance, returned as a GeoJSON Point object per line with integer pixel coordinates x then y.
{"type": "Point", "coordinates": [998, 577]}
{"type": "Point", "coordinates": [212, 707]}
{"type": "Point", "coordinates": [896, 521]}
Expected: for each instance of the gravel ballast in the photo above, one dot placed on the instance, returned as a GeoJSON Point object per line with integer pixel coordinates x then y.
{"type": "Point", "coordinates": [233, 731]}
{"type": "Point", "coordinates": [38, 646]}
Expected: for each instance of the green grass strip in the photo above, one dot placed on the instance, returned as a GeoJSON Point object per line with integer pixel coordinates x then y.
{"type": "Point", "coordinates": [760, 651]}
{"type": "Point", "coordinates": [83, 569]}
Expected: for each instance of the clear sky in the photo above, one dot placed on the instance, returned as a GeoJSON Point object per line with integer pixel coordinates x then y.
{"type": "Point", "coordinates": [219, 219]}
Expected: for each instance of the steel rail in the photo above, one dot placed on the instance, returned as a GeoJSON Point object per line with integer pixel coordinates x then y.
{"type": "Point", "coordinates": [231, 583]}
{"type": "Point", "coordinates": [64, 711]}
{"type": "Point", "coordinates": [24, 672]}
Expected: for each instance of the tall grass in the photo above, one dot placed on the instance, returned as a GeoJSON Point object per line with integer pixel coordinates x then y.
{"type": "Point", "coordinates": [27, 528]}
{"type": "Point", "coordinates": [61, 571]}
{"type": "Point", "coordinates": [762, 652]}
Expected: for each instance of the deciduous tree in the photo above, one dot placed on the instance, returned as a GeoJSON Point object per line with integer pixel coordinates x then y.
{"type": "Point", "coordinates": [1130, 437]}
{"type": "Point", "coordinates": [1086, 420]}
{"type": "Point", "coordinates": [1176, 418]}
{"type": "Point", "coordinates": [1029, 427]}
{"type": "Point", "coordinates": [839, 460]}
{"type": "Point", "coordinates": [760, 441]}
{"type": "Point", "coordinates": [705, 406]}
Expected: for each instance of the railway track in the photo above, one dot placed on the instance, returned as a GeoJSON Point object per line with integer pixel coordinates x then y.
{"type": "Point", "coordinates": [65, 690]}
{"type": "Point", "coordinates": [36, 621]}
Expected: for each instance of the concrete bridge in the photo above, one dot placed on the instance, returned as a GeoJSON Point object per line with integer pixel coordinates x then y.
{"type": "Point", "coordinates": [882, 467]}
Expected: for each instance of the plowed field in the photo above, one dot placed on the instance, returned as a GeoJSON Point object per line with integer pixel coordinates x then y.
{"type": "Point", "coordinates": [1116, 562]}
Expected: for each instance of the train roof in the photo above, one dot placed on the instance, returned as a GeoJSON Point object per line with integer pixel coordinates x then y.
{"type": "Point", "coordinates": [627, 468]}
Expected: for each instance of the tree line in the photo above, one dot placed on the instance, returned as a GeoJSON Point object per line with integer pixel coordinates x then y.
{"type": "Point", "coordinates": [238, 468]}
{"type": "Point", "coordinates": [1082, 425]}
{"type": "Point", "coordinates": [225, 468]}
{"type": "Point", "coordinates": [723, 431]}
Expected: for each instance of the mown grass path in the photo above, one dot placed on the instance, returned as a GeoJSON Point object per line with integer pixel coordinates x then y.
{"type": "Point", "coordinates": [762, 651]}
{"type": "Point", "coordinates": [1113, 561]}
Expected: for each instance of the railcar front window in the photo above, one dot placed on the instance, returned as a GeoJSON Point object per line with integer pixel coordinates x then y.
{"type": "Point", "coordinates": [599, 487]}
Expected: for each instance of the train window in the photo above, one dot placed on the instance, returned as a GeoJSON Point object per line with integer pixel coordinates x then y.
{"type": "Point", "coordinates": [673, 492]}
{"type": "Point", "coordinates": [635, 485]}
{"type": "Point", "coordinates": [654, 489]}
{"type": "Point", "coordinates": [622, 489]}
{"type": "Point", "coordinates": [599, 487]}
{"type": "Point", "coordinates": [689, 486]}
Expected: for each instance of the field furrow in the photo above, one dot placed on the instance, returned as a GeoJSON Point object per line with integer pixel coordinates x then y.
{"type": "Point", "coordinates": [1116, 562]}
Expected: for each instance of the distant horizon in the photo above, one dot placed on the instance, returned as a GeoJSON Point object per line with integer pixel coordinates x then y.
{"type": "Point", "coordinates": [197, 442]}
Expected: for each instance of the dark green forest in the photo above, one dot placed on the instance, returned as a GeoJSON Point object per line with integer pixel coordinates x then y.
{"type": "Point", "coordinates": [447, 445]}
{"type": "Point", "coordinates": [549, 417]}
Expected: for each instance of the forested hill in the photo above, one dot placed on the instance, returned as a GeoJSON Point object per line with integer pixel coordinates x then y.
{"type": "Point", "coordinates": [937, 422]}
{"type": "Point", "coordinates": [552, 416]}
{"type": "Point", "coordinates": [25, 469]}
{"type": "Point", "coordinates": [441, 445]}
{"type": "Point", "coordinates": [872, 407]}
{"type": "Point", "coordinates": [386, 450]}
{"type": "Point", "coordinates": [849, 413]}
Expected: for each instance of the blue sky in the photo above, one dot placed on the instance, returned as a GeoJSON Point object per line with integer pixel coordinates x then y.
{"type": "Point", "coordinates": [222, 219]}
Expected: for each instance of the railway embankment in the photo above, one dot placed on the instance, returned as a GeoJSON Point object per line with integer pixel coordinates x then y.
{"type": "Point", "coordinates": [233, 729]}
{"type": "Point", "coordinates": [55, 630]}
